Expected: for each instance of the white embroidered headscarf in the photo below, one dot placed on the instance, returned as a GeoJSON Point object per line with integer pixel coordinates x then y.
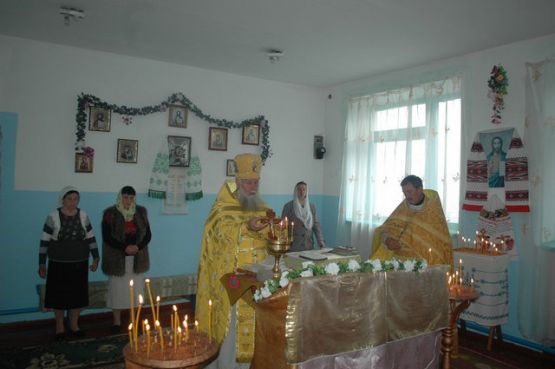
{"type": "Point", "coordinates": [64, 192]}
{"type": "Point", "coordinates": [127, 213]}
{"type": "Point", "coordinates": [302, 211]}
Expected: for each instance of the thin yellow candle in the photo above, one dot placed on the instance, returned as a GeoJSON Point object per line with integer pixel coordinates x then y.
{"type": "Point", "coordinates": [138, 319]}
{"type": "Point", "coordinates": [147, 283]}
{"type": "Point", "coordinates": [292, 231]}
{"type": "Point", "coordinates": [157, 324]}
{"type": "Point", "coordinates": [196, 326]}
{"type": "Point", "coordinates": [147, 327]}
{"type": "Point", "coordinates": [179, 335]}
{"type": "Point", "coordinates": [157, 308]}
{"type": "Point", "coordinates": [145, 323]}
{"type": "Point", "coordinates": [430, 255]}
{"type": "Point", "coordinates": [186, 325]}
{"type": "Point", "coordinates": [131, 298]}
{"type": "Point", "coordinates": [210, 320]}
{"type": "Point", "coordinates": [460, 267]}
{"type": "Point", "coordinates": [130, 329]}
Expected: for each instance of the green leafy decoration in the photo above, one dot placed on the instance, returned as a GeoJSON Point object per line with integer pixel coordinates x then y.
{"type": "Point", "coordinates": [84, 101]}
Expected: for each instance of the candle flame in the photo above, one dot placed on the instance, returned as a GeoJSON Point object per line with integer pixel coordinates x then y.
{"type": "Point", "coordinates": [147, 327]}
{"type": "Point", "coordinates": [140, 299]}
{"type": "Point", "coordinates": [157, 323]}
{"type": "Point", "coordinates": [131, 283]}
{"type": "Point", "coordinates": [209, 302]}
{"type": "Point", "coordinates": [146, 321]}
{"type": "Point", "coordinates": [186, 317]}
{"type": "Point", "coordinates": [130, 326]}
{"type": "Point", "coordinates": [157, 298]}
{"type": "Point", "coordinates": [147, 280]}
{"type": "Point", "coordinates": [174, 308]}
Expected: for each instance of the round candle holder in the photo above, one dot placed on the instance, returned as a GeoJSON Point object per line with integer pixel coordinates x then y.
{"type": "Point", "coordinates": [277, 248]}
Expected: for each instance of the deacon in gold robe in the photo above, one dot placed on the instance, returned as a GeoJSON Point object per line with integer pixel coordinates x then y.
{"type": "Point", "coordinates": [231, 239]}
{"type": "Point", "coordinates": [416, 229]}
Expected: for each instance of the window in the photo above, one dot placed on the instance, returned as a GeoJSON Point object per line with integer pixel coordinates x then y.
{"type": "Point", "coordinates": [414, 130]}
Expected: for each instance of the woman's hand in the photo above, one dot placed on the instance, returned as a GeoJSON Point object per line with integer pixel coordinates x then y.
{"type": "Point", "coordinates": [94, 265]}
{"type": "Point", "coordinates": [42, 271]}
{"type": "Point", "coordinates": [131, 249]}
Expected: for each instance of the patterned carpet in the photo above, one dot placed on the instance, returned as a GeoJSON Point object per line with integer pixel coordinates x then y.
{"type": "Point", "coordinates": [88, 353]}
{"type": "Point", "coordinates": [106, 353]}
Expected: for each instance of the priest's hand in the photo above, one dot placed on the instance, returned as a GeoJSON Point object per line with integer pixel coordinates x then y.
{"type": "Point", "coordinates": [94, 265]}
{"type": "Point", "coordinates": [392, 243]}
{"type": "Point", "coordinates": [256, 224]}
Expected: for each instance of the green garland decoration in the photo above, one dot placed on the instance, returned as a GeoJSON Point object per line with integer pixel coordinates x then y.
{"type": "Point", "coordinates": [84, 101]}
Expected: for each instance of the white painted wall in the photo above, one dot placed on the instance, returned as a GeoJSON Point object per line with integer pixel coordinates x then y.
{"type": "Point", "coordinates": [40, 82]}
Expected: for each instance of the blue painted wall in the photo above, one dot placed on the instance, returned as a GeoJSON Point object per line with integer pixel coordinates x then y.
{"type": "Point", "coordinates": [174, 248]}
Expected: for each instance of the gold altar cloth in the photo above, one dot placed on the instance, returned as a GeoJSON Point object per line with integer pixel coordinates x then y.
{"type": "Point", "coordinates": [329, 315]}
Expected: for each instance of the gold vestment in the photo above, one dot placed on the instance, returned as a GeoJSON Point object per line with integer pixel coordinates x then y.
{"type": "Point", "coordinates": [227, 244]}
{"type": "Point", "coordinates": [422, 233]}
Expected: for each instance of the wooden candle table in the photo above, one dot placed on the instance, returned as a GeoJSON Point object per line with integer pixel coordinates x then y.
{"type": "Point", "coordinates": [459, 300]}
{"type": "Point", "coordinates": [196, 352]}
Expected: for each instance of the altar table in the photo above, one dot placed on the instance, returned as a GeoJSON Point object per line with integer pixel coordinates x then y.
{"type": "Point", "coordinates": [354, 320]}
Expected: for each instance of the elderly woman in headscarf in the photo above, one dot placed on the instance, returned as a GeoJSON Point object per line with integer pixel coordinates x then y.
{"type": "Point", "coordinates": [67, 240]}
{"type": "Point", "coordinates": [125, 236]}
{"type": "Point", "coordinates": [303, 214]}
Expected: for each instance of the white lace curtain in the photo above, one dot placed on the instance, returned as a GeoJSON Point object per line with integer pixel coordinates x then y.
{"type": "Point", "coordinates": [536, 300]}
{"type": "Point", "coordinates": [387, 136]}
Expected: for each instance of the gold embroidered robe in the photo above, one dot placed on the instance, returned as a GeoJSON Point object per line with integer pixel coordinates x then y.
{"type": "Point", "coordinates": [227, 244]}
{"type": "Point", "coordinates": [418, 231]}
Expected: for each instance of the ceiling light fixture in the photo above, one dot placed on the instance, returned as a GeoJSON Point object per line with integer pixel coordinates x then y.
{"type": "Point", "coordinates": [70, 14]}
{"type": "Point", "coordinates": [274, 55]}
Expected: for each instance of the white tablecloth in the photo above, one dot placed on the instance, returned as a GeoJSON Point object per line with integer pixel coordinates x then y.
{"type": "Point", "coordinates": [491, 281]}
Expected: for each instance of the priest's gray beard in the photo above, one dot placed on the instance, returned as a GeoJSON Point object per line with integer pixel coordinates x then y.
{"type": "Point", "coordinates": [250, 202]}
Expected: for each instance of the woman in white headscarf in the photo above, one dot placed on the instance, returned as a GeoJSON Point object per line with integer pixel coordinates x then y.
{"type": "Point", "coordinates": [67, 240]}
{"type": "Point", "coordinates": [125, 236]}
{"type": "Point", "coordinates": [303, 214]}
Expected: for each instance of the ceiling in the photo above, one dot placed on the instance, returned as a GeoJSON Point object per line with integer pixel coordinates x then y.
{"type": "Point", "coordinates": [324, 42]}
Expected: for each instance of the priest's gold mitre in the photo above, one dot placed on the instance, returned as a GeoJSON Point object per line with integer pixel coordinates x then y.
{"type": "Point", "coordinates": [248, 166]}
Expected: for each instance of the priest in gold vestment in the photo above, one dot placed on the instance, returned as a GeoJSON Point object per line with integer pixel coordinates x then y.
{"type": "Point", "coordinates": [417, 228]}
{"type": "Point", "coordinates": [231, 239]}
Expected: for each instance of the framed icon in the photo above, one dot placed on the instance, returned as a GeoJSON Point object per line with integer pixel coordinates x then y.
{"type": "Point", "coordinates": [83, 163]}
{"type": "Point", "coordinates": [178, 116]}
{"type": "Point", "coordinates": [230, 168]}
{"type": "Point", "coordinates": [128, 151]}
{"type": "Point", "coordinates": [217, 139]}
{"type": "Point", "coordinates": [179, 148]}
{"type": "Point", "coordinates": [251, 134]}
{"type": "Point", "coordinates": [99, 119]}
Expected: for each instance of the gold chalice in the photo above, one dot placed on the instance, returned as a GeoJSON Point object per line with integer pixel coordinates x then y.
{"type": "Point", "coordinates": [277, 248]}
{"type": "Point", "coordinates": [278, 240]}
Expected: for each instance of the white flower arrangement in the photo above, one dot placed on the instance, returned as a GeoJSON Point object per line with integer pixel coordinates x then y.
{"type": "Point", "coordinates": [309, 269]}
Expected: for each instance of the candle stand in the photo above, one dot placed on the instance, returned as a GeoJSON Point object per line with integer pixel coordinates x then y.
{"type": "Point", "coordinates": [195, 352]}
{"type": "Point", "coordinates": [459, 300]}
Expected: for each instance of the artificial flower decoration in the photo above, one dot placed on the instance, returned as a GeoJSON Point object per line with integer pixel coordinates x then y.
{"type": "Point", "coordinates": [498, 83]}
{"type": "Point", "coordinates": [309, 269]}
{"type": "Point", "coordinates": [88, 151]}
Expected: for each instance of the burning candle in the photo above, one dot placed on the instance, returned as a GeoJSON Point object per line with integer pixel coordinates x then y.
{"type": "Point", "coordinates": [157, 308]}
{"type": "Point", "coordinates": [186, 325]}
{"type": "Point", "coordinates": [137, 320]}
{"type": "Point", "coordinates": [292, 231]}
{"type": "Point", "coordinates": [210, 320]}
{"type": "Point", "coordinates": [196, 326]}
{"type": "Point", "coordinates": [430, 255]}
{"type": "Point", "coordinates": [130, 330]}
{"type": "Point", "coordinates": [147, 327]}
{"type": "Point", "coordinates": [159, 327]}
{"type": "Point", "coordinates": [460, 267]}
{"type": "Point", "coordinates": [147, 283]}
{"type": "Point", "coordinates": [132, 309]}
